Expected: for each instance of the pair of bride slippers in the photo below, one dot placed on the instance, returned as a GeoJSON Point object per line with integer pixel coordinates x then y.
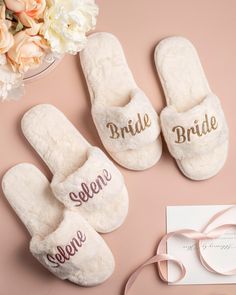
{"type": "Point", "coordinates": [87, 195]}
{"type": "Point", "coordinates": [193, 123]}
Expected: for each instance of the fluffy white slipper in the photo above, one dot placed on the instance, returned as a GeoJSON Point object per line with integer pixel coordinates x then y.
{"type": "Point", "coordinates": [61, 239]}
{"type": "Point", "coordinates": [124, 117]}
{"type": "Point", "coordinates": [84, 179]}
{"type": "Point", "coordinates": [193, 122]}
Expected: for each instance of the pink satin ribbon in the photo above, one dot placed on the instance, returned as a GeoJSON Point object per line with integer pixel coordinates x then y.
{"type": "Point", "coordinates": [162, 257]}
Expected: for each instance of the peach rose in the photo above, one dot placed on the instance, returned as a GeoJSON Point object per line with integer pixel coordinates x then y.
{"type": "Point", "coordinates": [32, 25]}
{"type": "Point", "coordinates": [27, 51]}
{"type": "Point", "coordinates": [6, 38]}
{"type": "Point", "coordinates": [34, 8]}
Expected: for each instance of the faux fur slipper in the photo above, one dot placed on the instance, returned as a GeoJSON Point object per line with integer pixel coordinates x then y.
{"type": "Point", "coordinates": [61, 239]}
{"type": "Point", "coordinates": [126, 121]}
{"type": "Point", "coordinates": [193, 123]}
{"type": "Point", "coordinates": [85, 180]}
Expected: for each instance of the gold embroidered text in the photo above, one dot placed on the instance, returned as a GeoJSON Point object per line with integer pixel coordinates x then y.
{"type": "Point", "coordinates": [131, 128]}
{"type": "Point", "coordinates": [199, 129]}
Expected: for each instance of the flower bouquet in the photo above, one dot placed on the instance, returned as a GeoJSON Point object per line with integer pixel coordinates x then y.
{"type": "Point", "coordinates": [37, 31]}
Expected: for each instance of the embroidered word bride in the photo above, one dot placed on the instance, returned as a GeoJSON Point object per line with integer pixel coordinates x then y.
{"type": "Point", "coordinates": [199, 129]}
{"type": "Point", "coordinates": [133, 127]}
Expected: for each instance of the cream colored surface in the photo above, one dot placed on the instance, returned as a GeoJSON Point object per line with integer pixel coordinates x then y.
{"type": "Point", "coordinates": [139, 25]}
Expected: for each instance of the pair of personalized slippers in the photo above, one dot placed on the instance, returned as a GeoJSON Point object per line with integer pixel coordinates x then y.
{"type": "Point", "coordinates": [193, 123]}
{"type": "Point", "coordinates": [87, 195]}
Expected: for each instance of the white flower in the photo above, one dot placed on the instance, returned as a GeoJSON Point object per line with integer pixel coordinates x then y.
{"type": "Point", "coordinates": [66, 24]}
{"type": "Point", "coordinates": [11, 84]}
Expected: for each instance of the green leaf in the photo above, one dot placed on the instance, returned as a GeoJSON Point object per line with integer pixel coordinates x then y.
{"type": "Point", "coordinates": [9, 14]}
{"type": "Point", "coordinates": [16, 26]}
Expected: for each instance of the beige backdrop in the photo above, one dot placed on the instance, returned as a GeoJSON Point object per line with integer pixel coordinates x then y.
{"type": "Point", "coordinates": [139, 24]}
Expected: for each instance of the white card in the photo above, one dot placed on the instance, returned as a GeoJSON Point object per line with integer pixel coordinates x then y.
{"type": "Point", "coordinates": [220, 253]}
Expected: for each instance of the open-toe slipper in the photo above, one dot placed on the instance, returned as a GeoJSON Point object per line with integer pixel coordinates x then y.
{"type": "Point", "coordinates": [193, 123]}
{"type": "Point", "coordinates": [124, 117]}
{"type": "Point", "coordinates": [84, 178]}
{"type": "Point", "coordinates": [62, 240]}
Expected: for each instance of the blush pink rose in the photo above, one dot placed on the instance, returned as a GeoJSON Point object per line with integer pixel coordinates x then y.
{"type": "Point", "coordinates": [33, 8]}
{"type": "Point", "coordinates": [6, 38]}
{"type": "Point", "coordinates": [27, 51]}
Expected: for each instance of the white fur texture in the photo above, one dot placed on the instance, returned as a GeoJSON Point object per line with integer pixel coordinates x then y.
{"type": "Point", "coordinates": [65, 151]}
{"type": "Point", "coordinates": [199, 145]}
{"type": "Point", "coordinates": [28, 192]}
{"type": "Point", "coordinates": [91, 265]}
{"type": "Point", "coordinates": [186, 87]}
{"type": "Point", "coordinates": [111, 201]}
{"type": "Point", "coordinates": [138, 104]}
{"type": "Point", "coordinates": [114, 97]}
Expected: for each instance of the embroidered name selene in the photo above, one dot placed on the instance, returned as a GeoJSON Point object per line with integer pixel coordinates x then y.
{"type": "Point", "coordinates": [199, 129]}
{"type": "Point", "coordinates": [133, 127]}
{"type": "Point", "coordinates": [87, 192]}
{"type": "Point", "coordinates": [65, 253]}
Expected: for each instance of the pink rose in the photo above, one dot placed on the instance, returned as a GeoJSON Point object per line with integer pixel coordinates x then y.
{"type": "Point", "coordinates": [27, 51]}
{"type": "Point", "coordinates": [33, 8]}
{"type": "Point", "coordinates": [6, 38]}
